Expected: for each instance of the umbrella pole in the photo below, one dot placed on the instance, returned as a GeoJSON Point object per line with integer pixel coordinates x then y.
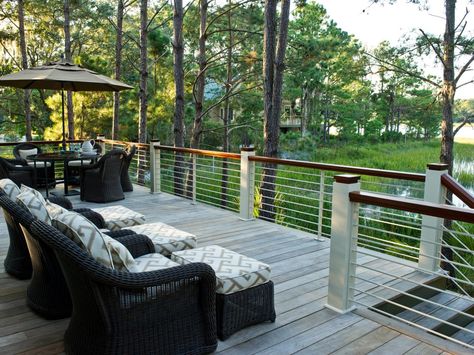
{"type": "Point", "coordinates": [62, 112]}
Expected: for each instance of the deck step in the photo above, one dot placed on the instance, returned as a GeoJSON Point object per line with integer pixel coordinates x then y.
{"type": "Point", "coordinates": [428, 310]}
{"type": "Point", "coordinates": [464, 336]}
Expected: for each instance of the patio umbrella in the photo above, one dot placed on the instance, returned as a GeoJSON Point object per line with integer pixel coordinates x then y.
{"type": "Point", "coordinates": [62, 76]}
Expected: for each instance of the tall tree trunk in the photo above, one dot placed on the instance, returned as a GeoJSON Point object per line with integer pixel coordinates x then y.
{"type": "Point", "coordinates": [449, 89]}
{"type": "Point", "coordinates": [24, 64]}
{"type": "Point", "coordinates": [143, 100]}
{"type": "Point", "coordinates": [273, 68]}
{"type": "Point", "coordinates": [178, 49]}
{"type": "Point", "coordinates": [118, 68]}
{"type": "Point", "coordinates": [227, 108]}
{"type": "Point", "coordinates": [201, 79]}
{"type": "Point", "coordinates": [68, 55]}
{"type": "Point", "coordinates": [448, 92]}
{"type": "Point", "coordinates": [143, 72]}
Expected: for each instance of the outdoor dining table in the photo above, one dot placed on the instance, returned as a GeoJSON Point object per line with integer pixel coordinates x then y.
{"type": "Point", "coordinates": [65, 157]}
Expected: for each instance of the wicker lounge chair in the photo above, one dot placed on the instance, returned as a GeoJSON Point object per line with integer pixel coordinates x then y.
{"type": "Point", "coordinates": [100, 182]}
{"type": "Point", "coordinates": [47, 293]}
{"type": "Point", "coordinates": [169, 311]}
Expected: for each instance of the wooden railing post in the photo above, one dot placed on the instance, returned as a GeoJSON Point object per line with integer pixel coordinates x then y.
{"type": "Point", "coordinates": [431, 227]}
{"type": "Point", "coordinates": [344, 220]}
{"type": "Point", "coordinates": [247, 177]}
{"type": "Point", "coordinates": [155, 167]}
{"type": "Point", "coordinates": [100, 139]}
{"type": "Point", "coordinates": [321, 205]}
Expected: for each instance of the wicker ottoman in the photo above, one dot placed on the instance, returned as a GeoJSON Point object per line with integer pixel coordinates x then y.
{"type": "Point", "coordinates": [166, 238]}
{"type": "Point", "coordinates": [118, 217]}
{"type": "Point", "coordinates": [244, 292]}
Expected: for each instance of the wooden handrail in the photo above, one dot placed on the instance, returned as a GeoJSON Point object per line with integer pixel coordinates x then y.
{"type": "Point", "coordinates": [343, 168]}
{"type": "Point", "coordinates": [409, 205]}
{"type": "Point", "coordinates": [209, 153]}
{"type": "Point", "coordinates": [457, 189]}
{"type": "Point", "coordinates": [111, 141]}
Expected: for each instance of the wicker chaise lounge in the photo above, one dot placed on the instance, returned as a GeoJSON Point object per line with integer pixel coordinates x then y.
{"type": "Point", "coordinates": [168, 311]}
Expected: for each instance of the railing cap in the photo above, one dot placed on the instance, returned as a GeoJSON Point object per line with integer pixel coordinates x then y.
{"type": "Point", "coordinates": [347, 178]}
{"type": "Point", "coordinates": [247, 149]}
{"type": "Point", "coordinates": [437, 166]}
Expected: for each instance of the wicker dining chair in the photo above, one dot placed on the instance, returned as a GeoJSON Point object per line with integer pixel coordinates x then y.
{"type": "Point", "coordinates": [100, 182]}
{"type": "Point", "coordinates": [127, 185]}
{"type": "Point", "coordinates": [169, 311]}
{"type": "Point", "coordinates": [42, 175]}
{"type": "Point", "coordinates": [17, 172]}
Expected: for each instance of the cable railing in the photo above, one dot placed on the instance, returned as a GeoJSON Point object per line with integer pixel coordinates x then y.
{"type": "Point", "coordinates": [432, 287]}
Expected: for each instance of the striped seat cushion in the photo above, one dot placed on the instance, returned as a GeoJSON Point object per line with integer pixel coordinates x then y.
{"type": "Point", "coordinates": [234, 272]}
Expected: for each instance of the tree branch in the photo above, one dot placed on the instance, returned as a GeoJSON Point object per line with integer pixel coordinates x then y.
{"type": "Point", "coordinates": [463, 69]}
{"type": "Point", "coordinates": [436, 50]}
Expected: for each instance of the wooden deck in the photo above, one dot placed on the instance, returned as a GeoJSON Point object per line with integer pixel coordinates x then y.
{"type": "Point", "coordinates": [300, 272]}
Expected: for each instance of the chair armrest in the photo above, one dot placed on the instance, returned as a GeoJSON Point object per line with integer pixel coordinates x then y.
{"type": "Point", "coordinates": [61, 201]}
{"type": "Point", "coordinates": [11, 166]}
{"type": "Point", "coordinates": [120, 233]}
{"type": "Point", "coordinates": [17, 161]}
{"type": "Point", "coordinates": [92, 216]}
{"type": "Point", "coordinates": [137, 244]}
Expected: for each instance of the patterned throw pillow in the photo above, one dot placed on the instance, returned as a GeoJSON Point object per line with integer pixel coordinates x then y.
{"type": "Point", "coordinates": [10, 188]}
{"type": "Point", "coordinates": [33, 191]}
{"type": "Point", "coordinates": [37, 207]}
{"type": "Point", "coordinates": [85, 234]}
{"type": "Point", "coordinates": [123, 260]}
{"type": "Point", "coordinates": [54, 209]}
{"type": "Point", "coordinates": [24, 153]}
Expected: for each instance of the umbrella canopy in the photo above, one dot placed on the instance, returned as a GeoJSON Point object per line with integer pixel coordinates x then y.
{"type": "Point", "coordinates": [62, 76]}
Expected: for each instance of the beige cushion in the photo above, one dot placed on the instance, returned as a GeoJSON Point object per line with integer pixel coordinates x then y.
{"type": "Point", "coordinates": [166, 238]}
{"type": "Point", "coordinates": [234, 272]}
{"type": "Point", "coordinates": [36, 206]}
{"type": "Point", "coordinates": [79, 162]}
{"type": "Point", "coordinates": [101, 247]}
{"type": "Point", "coordinates": [153, 262]}
{"type": "Point", "coordinates": [118, 217]}
{"type": "Point", "coordinates": [54, 209]}
{"type": "Point", "coordinates": [10, 188]}
{"type": "Point", "coordinates": [24, 153]}
{"type": "Point", "coordinates": [85, 234]}
{"type": "Point", "coordinates": [39, 164]}
{"type": "Point", "coordinates": [38, 194]}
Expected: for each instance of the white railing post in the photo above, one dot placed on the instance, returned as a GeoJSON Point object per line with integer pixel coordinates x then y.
{"type": "Point", "coordinates": [247, 177]}
{"type": "Point", "coordinates": [431, 227]}
{"type": "Point", "coordinates": [321, 205]}
{"type": "Point", "coordinates": [155, 167]}
{"type": "Point", "coordinates": [194, 177]}
{"type": "Point", "coordinates": [100, 139]}
{"type": "Point", "coordinates": [344, 220]}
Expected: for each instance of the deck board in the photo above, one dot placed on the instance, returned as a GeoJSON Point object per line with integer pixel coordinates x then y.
{"type": "Point", "coordinates": [299, 270]}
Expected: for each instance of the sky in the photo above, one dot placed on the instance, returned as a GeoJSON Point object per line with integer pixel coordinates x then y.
{"type": "Point", "coordinates": [372, 24]}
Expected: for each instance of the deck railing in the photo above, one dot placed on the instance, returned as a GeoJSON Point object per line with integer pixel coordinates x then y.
{"type": "Point", "coordinates": [399, 217]}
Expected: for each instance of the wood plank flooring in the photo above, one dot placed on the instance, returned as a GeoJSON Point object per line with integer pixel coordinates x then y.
{"type": "Point", "coordinates": [299, 270]}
